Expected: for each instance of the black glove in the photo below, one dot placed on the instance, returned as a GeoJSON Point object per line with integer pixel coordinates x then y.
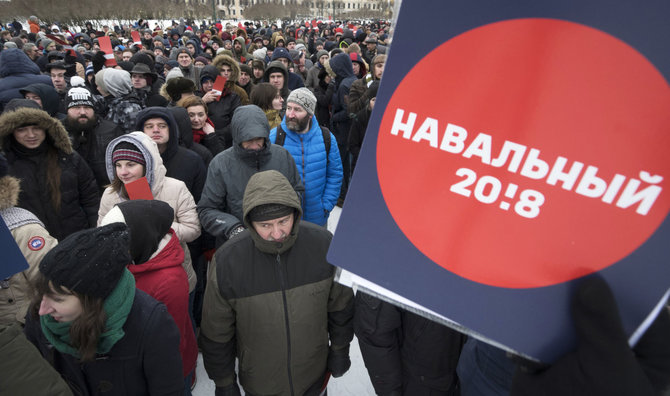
{"type": "Point", "coordinates": [230, 390]}
{"type": "Point", "coordinates": [603, 363]}
{"type": "Point", "coordinates": [98, 61]}
{"type": "Point", "coordinates": [338, 361]}
{"type": "Point", "coordinates": [236, 230]}
{"type": "Point", "coordinates": [371, 92]}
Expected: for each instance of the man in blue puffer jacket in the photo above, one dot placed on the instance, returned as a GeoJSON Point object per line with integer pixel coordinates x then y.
{"type": "Point", "coordinates": [315, 152]}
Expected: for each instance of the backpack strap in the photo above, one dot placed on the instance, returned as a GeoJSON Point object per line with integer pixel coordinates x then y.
{"type": "Point", "coordinates": [281, 136]}
{"type": "Point", "coordinates": [325, 132]}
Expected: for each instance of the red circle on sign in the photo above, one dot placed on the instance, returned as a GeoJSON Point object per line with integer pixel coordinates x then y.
{"type": "Point", "coordinates": [559, 87]}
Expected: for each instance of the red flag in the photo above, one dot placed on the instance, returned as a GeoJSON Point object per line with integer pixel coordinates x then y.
{"type": "Point", "coordinates": [106, 47]}
{"type": "Point", "coordinates": [66, 45]}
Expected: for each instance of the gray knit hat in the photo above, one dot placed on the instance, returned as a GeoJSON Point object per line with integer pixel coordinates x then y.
{"type": "Point", "coordinates": [304, 97]}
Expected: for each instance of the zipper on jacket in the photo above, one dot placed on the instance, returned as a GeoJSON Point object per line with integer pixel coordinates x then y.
{"type": "Point", "coordinates": [288, 329]}
{"type": "Point", "coordinates": [302, 159]}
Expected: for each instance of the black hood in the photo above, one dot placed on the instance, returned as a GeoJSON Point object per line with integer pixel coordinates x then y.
{"type": "Point", "coordinates": [48, 94]}
{"type": "Point", "coordinates": [148, 222]}
{"type": "Point", "coordinates": [164, 113]}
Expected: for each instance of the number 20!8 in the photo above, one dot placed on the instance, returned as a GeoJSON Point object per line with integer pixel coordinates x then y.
{"type": "Point", "coordinates": [528, 204]}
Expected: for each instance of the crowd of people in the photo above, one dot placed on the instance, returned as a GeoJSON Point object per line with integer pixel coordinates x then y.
{"type": "Point", "coordinates": [172, 195]}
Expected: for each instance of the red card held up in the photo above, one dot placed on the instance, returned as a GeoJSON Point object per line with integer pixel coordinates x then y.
{"type": "Point", "coordinates": [219, 85]}
{"type": "Point", "coordinates": [139, 189]}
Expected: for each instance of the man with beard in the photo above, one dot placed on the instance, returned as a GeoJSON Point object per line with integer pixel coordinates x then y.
{"type": "Point", "coordinates": [315, 152]}
{"type": "Point", "coordinates": [89, 133]}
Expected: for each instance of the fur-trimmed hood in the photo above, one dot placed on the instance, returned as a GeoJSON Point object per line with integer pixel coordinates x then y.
{"type": "Point", "coordinates": [9, 192]}
{"type": "Point", "coordinates": [221, 60]}
{"type": "Point", "coordinates": [55, 131]}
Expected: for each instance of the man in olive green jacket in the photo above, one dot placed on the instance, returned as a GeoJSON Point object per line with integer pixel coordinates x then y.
{"type": "Point", "coordinates": [272, 302]}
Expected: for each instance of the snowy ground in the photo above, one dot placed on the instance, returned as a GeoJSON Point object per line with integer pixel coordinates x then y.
{"type": "Point", "coordinates": [354, 383]}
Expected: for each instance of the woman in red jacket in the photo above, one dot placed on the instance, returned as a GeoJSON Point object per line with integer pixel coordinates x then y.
{"type": "Point", "coordinates": [157, 259]}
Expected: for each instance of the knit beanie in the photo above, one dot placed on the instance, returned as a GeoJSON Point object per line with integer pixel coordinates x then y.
{"type": "Point", "coordinates": [183, 50]}
{"type": "Point", "coordinates": [304, 97]}
{"type": "Point", "coordinates": [246, 68]}
{"type": "Point", "coordinates": [269, 212]}
{"type": "Point", "coordinates": [78, 96]}
{"type": "Point", "coordinates": [202, 59]}
{"type": "Point", "coordinates": [173, 73]}
{"type": "Point", "coordinates": [117, 82]}
{"type": "Point", "coordinates": [89, 262]}
{"type": "Point", "coordinates": [320, 54]}
{"type": "Point", "coordinates": [45, 43]}
{"type": "Point", "coordinates": [281, 52]}
{"type": "Point", "coordinates": [260, 53]}
{"type": "Point", "coordinates": [129, 152]}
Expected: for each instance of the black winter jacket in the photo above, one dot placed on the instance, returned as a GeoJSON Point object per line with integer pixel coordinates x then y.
{"type": "Point", "coordinates": [406, 354]}
{"type": "Point", "coordinates": [91, 145]}
{"type": "Point", "coordinates": [146, 361]}
{"type": "Point", "coordinates": [78, 190]}
{"type": "Point", "coordinates": [17, 71]}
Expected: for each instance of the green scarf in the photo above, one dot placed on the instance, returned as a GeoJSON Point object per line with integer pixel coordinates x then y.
{"type": "Point", "coordinates": [117, 307]}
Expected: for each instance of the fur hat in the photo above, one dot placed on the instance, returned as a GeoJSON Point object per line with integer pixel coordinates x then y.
{"type": "Point", "coordinates": [178, 86]}
{"type": "Point", "coordinates": [89, 262]}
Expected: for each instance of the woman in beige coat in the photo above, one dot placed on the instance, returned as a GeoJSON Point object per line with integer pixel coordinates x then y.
{"type": "Point", "coordinates": [132, 156]}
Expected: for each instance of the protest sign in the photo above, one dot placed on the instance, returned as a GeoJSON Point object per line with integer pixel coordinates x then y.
{"type": "Point", "coordinates": [514, 149]}
{"type": "Point", "coordinates": [136, 38]}
{"type": "Point", "coordinates": [106, 46]}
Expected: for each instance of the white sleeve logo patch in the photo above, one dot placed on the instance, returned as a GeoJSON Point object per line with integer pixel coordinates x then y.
{"type": "Point", "coordinates": [36, 243]}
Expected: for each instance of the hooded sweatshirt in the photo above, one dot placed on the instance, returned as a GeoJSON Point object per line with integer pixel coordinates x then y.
{"type": "Point", "coordinates": [344, 77]}
{"type": "Point", "coordinates": [48, 96]}
{"type": "Point", "coordinates": [123, 103]}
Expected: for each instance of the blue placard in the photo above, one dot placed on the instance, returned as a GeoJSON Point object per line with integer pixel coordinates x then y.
{"type": "Point", "coordinates": [13, 260]}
